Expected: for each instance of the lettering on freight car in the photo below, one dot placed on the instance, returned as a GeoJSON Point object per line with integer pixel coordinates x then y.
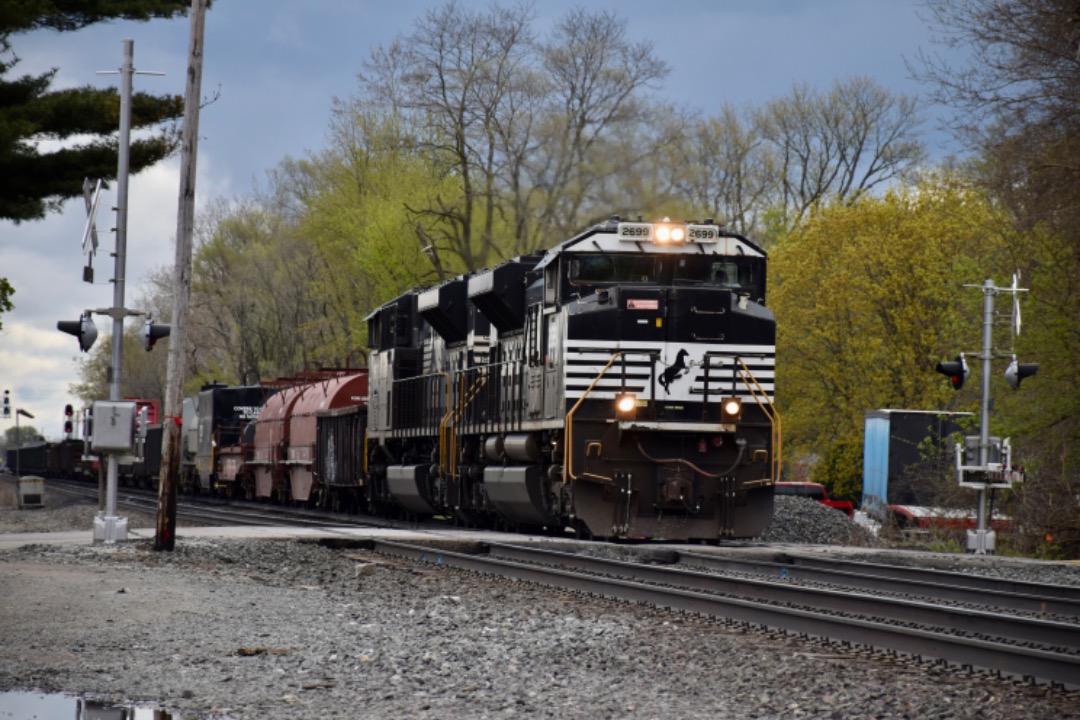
{"type": "Point", "coordinates": [246, 412]}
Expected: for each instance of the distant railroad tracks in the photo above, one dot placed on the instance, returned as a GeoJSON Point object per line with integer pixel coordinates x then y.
{"type": "Point", "coordinates": [1033, 648]}
{"type": "Point", "coordinates": [211, 511]}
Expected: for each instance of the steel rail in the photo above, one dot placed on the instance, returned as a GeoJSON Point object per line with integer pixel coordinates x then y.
{"type": "Point", "coordinates": [940, 585]}
{"type": "Point", "coordinates": [1020, 629]}
{"type": "Point", "coordinates": [899, 572]}
{"type": "Point", "coordinates": [1004, 658]}
{"type": "Point", "coordinates": [200, 513]}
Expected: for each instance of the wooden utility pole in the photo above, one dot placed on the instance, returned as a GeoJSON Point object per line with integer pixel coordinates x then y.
{"type": "Point", "coordinates": [165, 538]}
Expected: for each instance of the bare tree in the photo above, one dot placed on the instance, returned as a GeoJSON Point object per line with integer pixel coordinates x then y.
{"type": "Point", "coordinates": [718, 164]}
{"type": "Point", "coordinates": [842, 144]}
{"type": "Point", "coordinates": [597, 76]}
{"type": "Point", "coordinates": [454, 75]}
{"type": "Point", "coordinates": [521, 124]}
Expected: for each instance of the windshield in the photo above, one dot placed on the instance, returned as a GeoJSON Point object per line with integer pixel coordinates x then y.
{"type": "Point", "coordinates": [743, 275]}
{"type": "Point", "coordinates": [714, 271]}
{"type": "Point", "coordinates": [613, 268]}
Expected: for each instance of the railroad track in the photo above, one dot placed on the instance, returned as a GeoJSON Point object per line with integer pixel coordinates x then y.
{"type": "Point", "coordinates": [1020, 647]}
{"type": "Point", "coordinates": [1062, 601]}
{"type": "Point", "coordinates": [1021, 630]}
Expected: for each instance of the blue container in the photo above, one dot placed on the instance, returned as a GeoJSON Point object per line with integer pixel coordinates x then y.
{"type": "Point", "coordinates": [899, 447]}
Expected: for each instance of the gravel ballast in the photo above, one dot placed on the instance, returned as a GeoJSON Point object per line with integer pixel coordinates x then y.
{"type": "Point", "coordinates": [288, 629]}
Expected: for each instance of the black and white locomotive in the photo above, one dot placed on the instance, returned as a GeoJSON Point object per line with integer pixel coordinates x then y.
{"type": "Point", "coordinates": [620, 384]}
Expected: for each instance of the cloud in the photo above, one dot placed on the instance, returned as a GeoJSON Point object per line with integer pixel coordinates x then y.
{"type": "Point", "coordinates": [44, 263]}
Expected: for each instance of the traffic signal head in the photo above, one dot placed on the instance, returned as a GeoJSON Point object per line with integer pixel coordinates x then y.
{"type": "Point", "coordinates": [151, 333]}
{"type": "Point", "coordinates": [956, 370]}
{"type": "Point", "coordinates": [1018, 371]}
{"type": "Point", "coordinates": [83, 328]}
{"type": "Point", "coordinates": [7, 403]}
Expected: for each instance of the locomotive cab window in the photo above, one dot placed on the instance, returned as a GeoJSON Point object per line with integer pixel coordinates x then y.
{"type": "Point", "coordinates": [743, 275]}
{"type": "Point", "coordinates": [601, 268]}
{"type": "Point", "coordinates": [711, 271]}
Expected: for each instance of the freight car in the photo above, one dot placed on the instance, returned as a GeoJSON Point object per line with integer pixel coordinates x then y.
{"type": "Point", "coordinates": [216, 418]}
{"type": "Point", "coordinates": [285, 438]}
{"type": "Point", "coordinates": [620, 384]}
{"type": "Point", "coordinates": [62, 459]}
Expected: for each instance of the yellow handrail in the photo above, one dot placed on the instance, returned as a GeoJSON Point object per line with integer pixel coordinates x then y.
{"type": "Point", "coordinates": [448, 440]}
{"type": "Point", "coordinates": [442, 423]}
{"type": "Point", "coordinates": [568, 473]}
{"type": "Point", "coordinates": [770, 412]}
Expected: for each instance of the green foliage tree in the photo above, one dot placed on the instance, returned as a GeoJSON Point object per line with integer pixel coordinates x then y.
{"type": "Point", "coordinates": [18, 437]}
{"type": "Point", "coordinates": [142, 374]}
{"type": "Point", "coordinates": [868, 297]}
{"type": "Point", "coordinates": [252, 305]}
{"type": "Point", "coordinates": [356, 214]}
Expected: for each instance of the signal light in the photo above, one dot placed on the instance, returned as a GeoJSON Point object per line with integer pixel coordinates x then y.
{"type": "Point", "coordinates": [626, 406]}
{"type": "Point", "coordinates": [1018, 371]}
{"type": "Point", "coordinates": [730, 410]}
{"type": "Point", "coordinates": [151, 333]}
{"type": "Point", "coordinates": [7, 403]}
{"type": "Point", "coordinates": [83, 328]}
{"type": "Point", "coordinates": [957, 371]}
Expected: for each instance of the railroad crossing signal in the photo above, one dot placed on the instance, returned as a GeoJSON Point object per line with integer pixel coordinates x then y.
{"type": "Point", "coordinates": [152, 332]}
{"type": "Point", "coordinates": [1018, 371]}
{"type": "Point", "coordinates": [957, 371]}
{"type": "Point", "coordinates": [83, 328]}
{"type": "Point", "coordinates": [985, 467]}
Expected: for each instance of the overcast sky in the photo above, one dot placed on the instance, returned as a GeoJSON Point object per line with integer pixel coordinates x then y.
{"type": "Point", "coordinates": [277, 64]}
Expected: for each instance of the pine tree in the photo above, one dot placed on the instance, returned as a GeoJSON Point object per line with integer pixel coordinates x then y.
{"type": "Point", "coordinates": [34, 182]}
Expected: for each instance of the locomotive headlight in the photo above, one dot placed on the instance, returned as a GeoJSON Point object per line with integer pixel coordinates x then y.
{"type": "Point", "coordinates": [626, 406]}
{"type": "Point", "coordinates": [730, 410]}
{"type": "Point", "coordinates": [670, 234]}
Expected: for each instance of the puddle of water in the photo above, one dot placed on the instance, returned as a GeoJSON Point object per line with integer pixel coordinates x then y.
{"type": "Point", "coordinates": [19, 705]}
